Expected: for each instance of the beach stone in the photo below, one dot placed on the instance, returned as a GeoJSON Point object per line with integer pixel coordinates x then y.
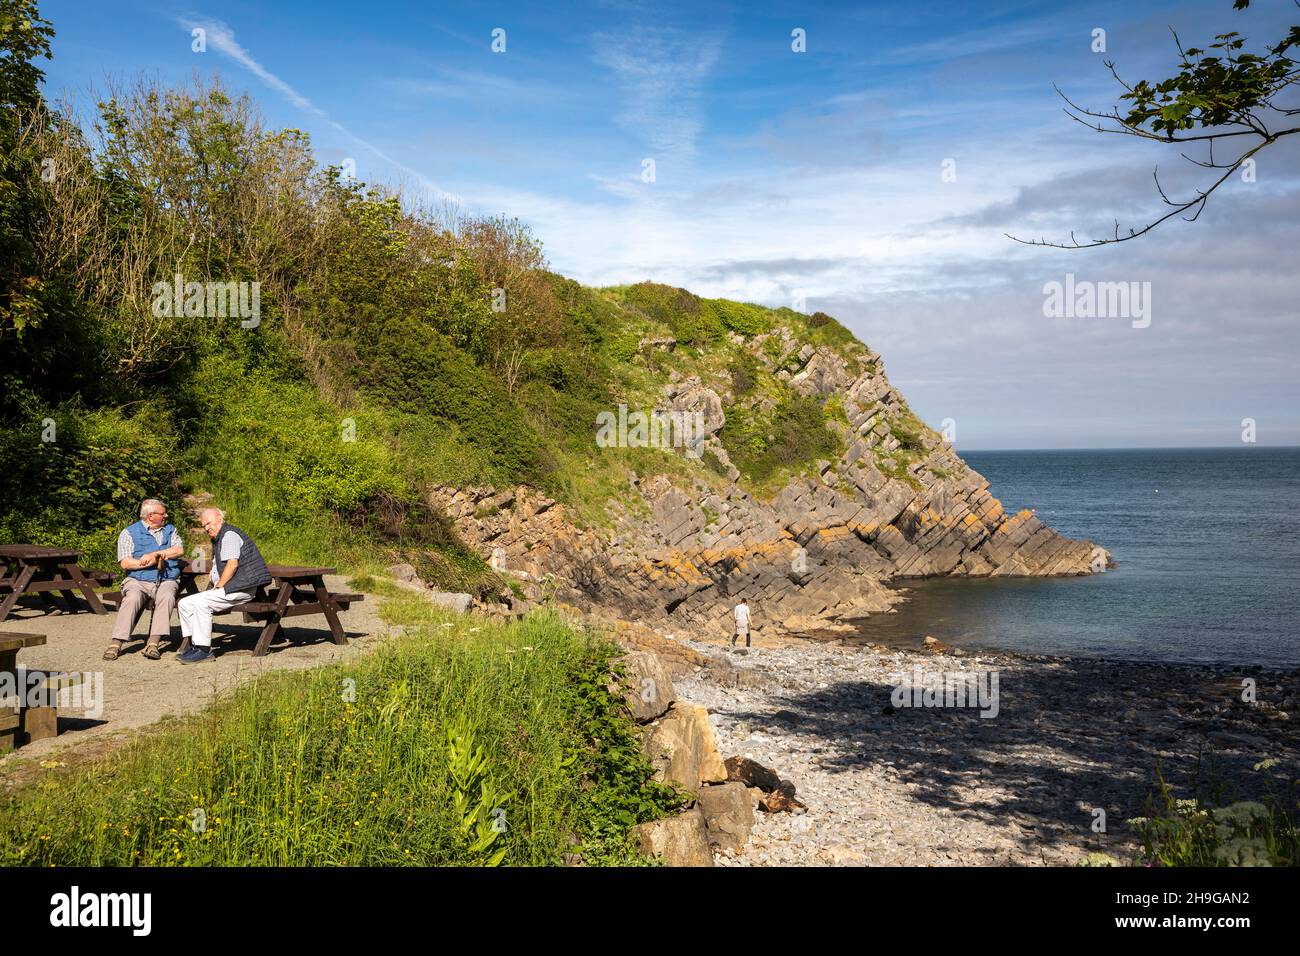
{"type": "Point", "coordinates": [868, 780]}
{"type": "Point", "coordinates": [649, 687]}
{"type": "Point", "coordinates": [781, 800]}
{"type": "Point", "coordinates": [752, 774]}
{"type": "Point", "coordinates": [844, 856]}
{"type": "Point", "coordinates": [681, 840]}
{"type": "Point", "coordinates": [728, 814]}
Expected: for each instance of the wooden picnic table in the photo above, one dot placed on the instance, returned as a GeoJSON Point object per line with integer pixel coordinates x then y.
{"type": "Point", "coordinates": [293, 592]}
{"type": "Point", "coordinates": [31, 568]}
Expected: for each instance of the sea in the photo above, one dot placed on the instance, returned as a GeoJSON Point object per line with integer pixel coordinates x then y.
{"type": "Point", "coordinates": [1207, 545]}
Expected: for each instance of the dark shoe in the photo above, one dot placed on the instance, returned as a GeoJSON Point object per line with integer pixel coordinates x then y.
{"type": "Point", "coordinates": [197, 655]}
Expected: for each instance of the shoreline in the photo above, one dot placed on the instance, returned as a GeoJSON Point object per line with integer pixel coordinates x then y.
{"type": "Point", "coordinates": [943, 786]}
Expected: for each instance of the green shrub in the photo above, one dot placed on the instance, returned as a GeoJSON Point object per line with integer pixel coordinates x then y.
{"type": "Point", "coordinates": [745, 370]}
{"type": "Point", "coordinates": [681, 311]}
{"type": "Point", "coordinates": [792, 436]}
{"type": "Point", "coordinates": [742, 317]}
{"type": "Point", "coordinates": [86, 485]}
{"type": "Point", "coordinates": [414, 369]}
{"type": "Point", "coordinates": [909, 430]}
{"type": "Point", "coordinates": [824, 330]}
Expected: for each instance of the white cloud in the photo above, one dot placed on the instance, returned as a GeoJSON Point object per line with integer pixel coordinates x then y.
{"type": "Point", "coordinates": [662, 72]}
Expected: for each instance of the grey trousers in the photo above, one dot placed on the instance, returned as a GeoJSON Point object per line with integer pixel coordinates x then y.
{"type": "Point", "coordinates": [135, 595]}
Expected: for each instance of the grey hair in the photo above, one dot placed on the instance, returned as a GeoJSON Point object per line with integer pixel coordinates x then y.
{"type": "Point", "coordinates": [212, 511]}
{"type": "Point", "coordinates": [151, 504]}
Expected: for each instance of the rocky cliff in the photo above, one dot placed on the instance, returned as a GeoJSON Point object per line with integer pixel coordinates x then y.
{"type": "Point", "coordinates": [680, 550]}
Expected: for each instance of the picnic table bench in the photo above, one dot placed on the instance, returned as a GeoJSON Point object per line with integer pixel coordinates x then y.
{"type": "Point", "coordinates": [17, 719]}
{"type": "Point", "coordinates": [31, 568]}
{"type": "Point", "coordinates": [293, 592]}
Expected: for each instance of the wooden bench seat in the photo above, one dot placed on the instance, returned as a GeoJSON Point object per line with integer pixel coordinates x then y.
{"type": "Point", "coordinates": [305, 606]}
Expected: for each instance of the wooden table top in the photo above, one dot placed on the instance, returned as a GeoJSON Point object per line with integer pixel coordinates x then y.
{"type": "Point", "coordinates": [13, 641]}
{"type": "Point", "coordinates": [291, 572]}
{"type": "Point", "coordinates": [30, 551]}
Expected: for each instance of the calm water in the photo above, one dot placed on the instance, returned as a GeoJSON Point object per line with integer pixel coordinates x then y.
{"type": "Point", "coordinates": [1208, 545]}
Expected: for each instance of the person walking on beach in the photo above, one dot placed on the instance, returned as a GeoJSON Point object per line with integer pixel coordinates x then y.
{"type": "Point", "coordinates": [742, 623]}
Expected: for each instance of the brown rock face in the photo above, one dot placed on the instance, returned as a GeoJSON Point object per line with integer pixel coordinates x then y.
{"type": "Point", "coordinates": [681, 840]}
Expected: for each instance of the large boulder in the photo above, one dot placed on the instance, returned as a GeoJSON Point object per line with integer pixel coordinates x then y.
{"type": "Point", "coordinates": [692, 396]}
{"type": "Point", "coordinates": [648, 688]}
{"type": "Point", "coordinates": [682, 750]}
{"type": "Point", "coordinates": [728, 814]}
{"type": "Point", "coordinates": [680, 840]}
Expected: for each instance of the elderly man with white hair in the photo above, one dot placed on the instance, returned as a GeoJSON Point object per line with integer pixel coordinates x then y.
{"type": "Point", "coordinates": [149, 552]}
{"type": "Point", "coordinates": [237, 572]}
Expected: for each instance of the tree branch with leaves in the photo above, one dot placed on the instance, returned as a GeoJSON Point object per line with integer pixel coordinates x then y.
{"type": "Point", "coordinates": [1222, 96]}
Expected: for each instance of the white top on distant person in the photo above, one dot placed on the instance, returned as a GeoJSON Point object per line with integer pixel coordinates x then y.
{"type": "Point", "coordinates": [742, 623]}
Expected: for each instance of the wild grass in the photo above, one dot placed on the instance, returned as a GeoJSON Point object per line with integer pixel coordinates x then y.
{"type": "Point", "coordinates": [1213, 831]}
{"type": "Point", "coordinates": [370, 762]}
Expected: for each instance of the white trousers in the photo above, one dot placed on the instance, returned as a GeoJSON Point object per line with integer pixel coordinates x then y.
{"type": "Point", "coordinates": [196, 612]}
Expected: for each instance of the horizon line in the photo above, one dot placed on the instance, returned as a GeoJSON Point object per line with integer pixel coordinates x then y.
{"type": "Point", "coordinates": [1136, 448]}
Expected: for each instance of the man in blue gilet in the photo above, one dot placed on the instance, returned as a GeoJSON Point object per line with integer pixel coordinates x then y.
{"type": "Point", "coordinates": [237, 572]}
{"type": "Point", "coordinates": [149, 552]}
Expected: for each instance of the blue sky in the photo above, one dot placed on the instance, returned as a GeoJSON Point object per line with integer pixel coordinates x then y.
{"type": "Point", "coordinates": [817, 174]}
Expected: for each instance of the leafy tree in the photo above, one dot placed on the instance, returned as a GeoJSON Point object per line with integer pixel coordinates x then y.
{"type": "Point", "coordinates": [24, 38]}
{"type": "Point", "coordinates": [1221, 94]}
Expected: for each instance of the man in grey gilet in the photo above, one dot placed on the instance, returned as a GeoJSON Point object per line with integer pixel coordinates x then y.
{"type": "Point", "coordinates": [237, 572]}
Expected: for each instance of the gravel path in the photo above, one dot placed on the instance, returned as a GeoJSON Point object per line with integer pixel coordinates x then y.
{"type": "Point", "coordinates": [945, 786]}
